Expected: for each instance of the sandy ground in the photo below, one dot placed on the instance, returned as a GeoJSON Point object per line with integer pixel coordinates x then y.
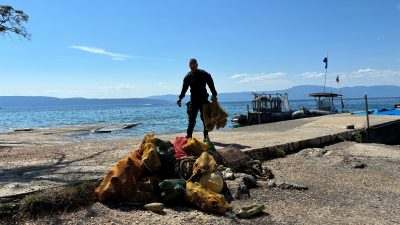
{"type": "Point", "coordinates": [39, 159]}
{"type": "Point", "coordinates": [42, 158]}
{"type": "Point", "coordinates": [348, 183]}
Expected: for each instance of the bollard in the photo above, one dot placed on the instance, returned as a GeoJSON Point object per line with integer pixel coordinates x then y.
{"type": "Point", "coordinates": [366, 113]}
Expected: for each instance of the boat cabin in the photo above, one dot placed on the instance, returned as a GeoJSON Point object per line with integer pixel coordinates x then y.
{"type": "Point", "coordinates": [325, 101]}
{"type": "Point", "coordinates": [267, 103]}
{"type": "Point", "coordinates": [269, 108]}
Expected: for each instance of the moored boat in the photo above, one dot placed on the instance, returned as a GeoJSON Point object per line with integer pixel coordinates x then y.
{"type": "Point", "coordinates": [324, 102]}
{"type": "Point", "coordinates": [266, 108]}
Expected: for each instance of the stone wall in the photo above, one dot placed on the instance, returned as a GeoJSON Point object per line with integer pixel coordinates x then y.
{"type": "Point", "coordinates": [387, 133]}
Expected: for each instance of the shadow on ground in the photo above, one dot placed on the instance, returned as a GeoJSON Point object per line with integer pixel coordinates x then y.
{"type": "Point", "coordinates": [239, 146]}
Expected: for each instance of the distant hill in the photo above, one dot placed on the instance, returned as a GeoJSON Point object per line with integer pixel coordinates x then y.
{"type": "Point", "coordinates": [295, 93]}
{"type": "Point", "coordinates": [35, 101]}
{"type": "Point", "coordinates": [301, 92]}
{"type": "Point", "coordinates": [222, 97]}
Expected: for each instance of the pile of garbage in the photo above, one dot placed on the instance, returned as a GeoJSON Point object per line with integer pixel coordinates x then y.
{"type": "Point", "coordinates": [184, 171]}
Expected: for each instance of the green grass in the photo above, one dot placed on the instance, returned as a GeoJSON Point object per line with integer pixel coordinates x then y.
{"type": "Point", "coordinates": [34, 204]}
{"type": "Point", "coordinates": [279, 153]}
{"type": "Point", "coordinates": [69, 197]}
{"type": "Point", "coordinates": [360, 136]}
{"type": "Point", "coordinates": [7, 209]}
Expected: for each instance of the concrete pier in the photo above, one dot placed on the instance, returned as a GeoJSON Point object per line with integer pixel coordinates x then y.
{"type": "Point", "coordinates": [291, 136]}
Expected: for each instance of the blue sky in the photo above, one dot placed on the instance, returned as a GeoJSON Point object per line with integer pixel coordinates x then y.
{"type": "Point", "coordinates": [125, 48]}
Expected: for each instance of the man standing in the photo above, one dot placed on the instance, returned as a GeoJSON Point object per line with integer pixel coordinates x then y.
{"type": "Point", "coordinates": [197, 80]}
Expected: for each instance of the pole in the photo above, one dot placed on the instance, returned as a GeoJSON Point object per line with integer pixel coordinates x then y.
{"type": "Point", "coordinates": [325, 79]}
{"type": "Point", "coordinates": [326, 69]}
{"type": "Point", "coordinates": [366, 113]}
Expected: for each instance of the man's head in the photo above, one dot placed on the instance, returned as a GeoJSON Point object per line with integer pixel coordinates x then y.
{"type": "Point", "coordinates": [193, 64]}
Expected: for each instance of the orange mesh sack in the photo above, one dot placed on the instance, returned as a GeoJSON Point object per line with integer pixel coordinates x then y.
{"type": "Point", "coordinates": [205, 200]}
{"type": "Point", "coordinates": [120, 183]}
{"type": "Point", "coordinates": [214, 115]}
{"type": "Point", "coordinates": [150, 156]}
{"type": "Point", "coordinates": [194, 147]}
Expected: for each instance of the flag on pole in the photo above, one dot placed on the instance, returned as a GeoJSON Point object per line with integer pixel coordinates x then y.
{"type": "Point", "coordinates": [337, 79]}
{"type": "Point", "coordinates": [326, 62]}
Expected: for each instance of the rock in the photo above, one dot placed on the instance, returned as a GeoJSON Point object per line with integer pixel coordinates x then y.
{"type": "Point", "coordinates": [247, 179]}
{"type": "Point", "coordinates": [291, 186]}
{"type": "Point", "coordinates": [319, 152]}
{"type": "Point", "coordinates": [23, 129]}
{"type": "Point", "coordinates": [237, 189]}
{"type": "Point", "coordinates": [271, 183]}
{"type": "Point", "coordinates": [155, 207]}
{"type": "Point", "coordinates": [358, 165]}
{"type": "Point", "coordinates": [228, 174]}
{"type": "Point", "coordinates": [354, 163]}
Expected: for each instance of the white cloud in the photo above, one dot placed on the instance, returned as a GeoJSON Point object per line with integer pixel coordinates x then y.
{"type": "Point", "coordinates": [117, 87]}
{"type": "Point", "coordinates": [250, 78]}
{"type": "Point", "coordinates": [114, 56]}
{"type": "Point", "coordinates": [166, 86]}
{"type": "Point", "coordinates": [367, 70]}
{"type": "Point", "coordinates": [373, 73]}
{"type": "Point", "coordinates": [308, 75]}
{"type": "Point", "coordinates": [54, 91]}
{"type": "Point", "coordinates": [236, 76]}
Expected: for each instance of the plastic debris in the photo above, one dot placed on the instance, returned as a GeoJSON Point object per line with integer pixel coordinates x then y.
{"type": "Point", "coordinates": [250, 210]}
{"type": "Point", "coordinates": [172, 190]}
{"type": "Point", "coordinates": [212, 182]}
{"type": "Point", "coordinates": [228, 174]}
{"type": "Point", "coordinates": [178, 143]}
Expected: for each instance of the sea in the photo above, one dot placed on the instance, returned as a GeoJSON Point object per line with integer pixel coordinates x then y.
{"type": "Point", "coordinates": [157, 119]}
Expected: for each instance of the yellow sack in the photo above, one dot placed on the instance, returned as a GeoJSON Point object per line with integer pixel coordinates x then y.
{"type": "Point", "coordinates": [205, 200]}
{"type": "Point", "coordinates": [123, 182]}
{"type": "Point", "coordinates": [205, 163]}
{"type": "Point", "coordinates": [150, 156]}
{"type": "Point", "coordinates": [214, 115]}
{"type": "Point", "coordinates": [120, 183]}
{"type": "Point", "coordinates": [194, 147]}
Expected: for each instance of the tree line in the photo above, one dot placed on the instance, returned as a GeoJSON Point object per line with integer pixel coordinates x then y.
{"type": "Point", "coordinates": [12, 22]}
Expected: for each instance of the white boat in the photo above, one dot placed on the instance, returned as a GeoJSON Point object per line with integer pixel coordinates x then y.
{"type": "Point", "coordinates": [266, 108]}
{"type": "Point", "coordinates": [324, 102]}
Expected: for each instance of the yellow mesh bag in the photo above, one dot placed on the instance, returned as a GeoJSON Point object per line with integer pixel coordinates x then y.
{"type": "Point", "coordinates": [194, 147]}
{"type": "Point", "coordinates": [205, 200]}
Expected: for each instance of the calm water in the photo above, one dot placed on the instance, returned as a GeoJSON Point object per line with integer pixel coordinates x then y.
{"type": "Point", "coordinates": [158, 119]}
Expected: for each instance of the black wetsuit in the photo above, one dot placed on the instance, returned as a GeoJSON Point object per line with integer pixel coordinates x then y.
{"type": "Point", "coordinates": [197, 82]}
